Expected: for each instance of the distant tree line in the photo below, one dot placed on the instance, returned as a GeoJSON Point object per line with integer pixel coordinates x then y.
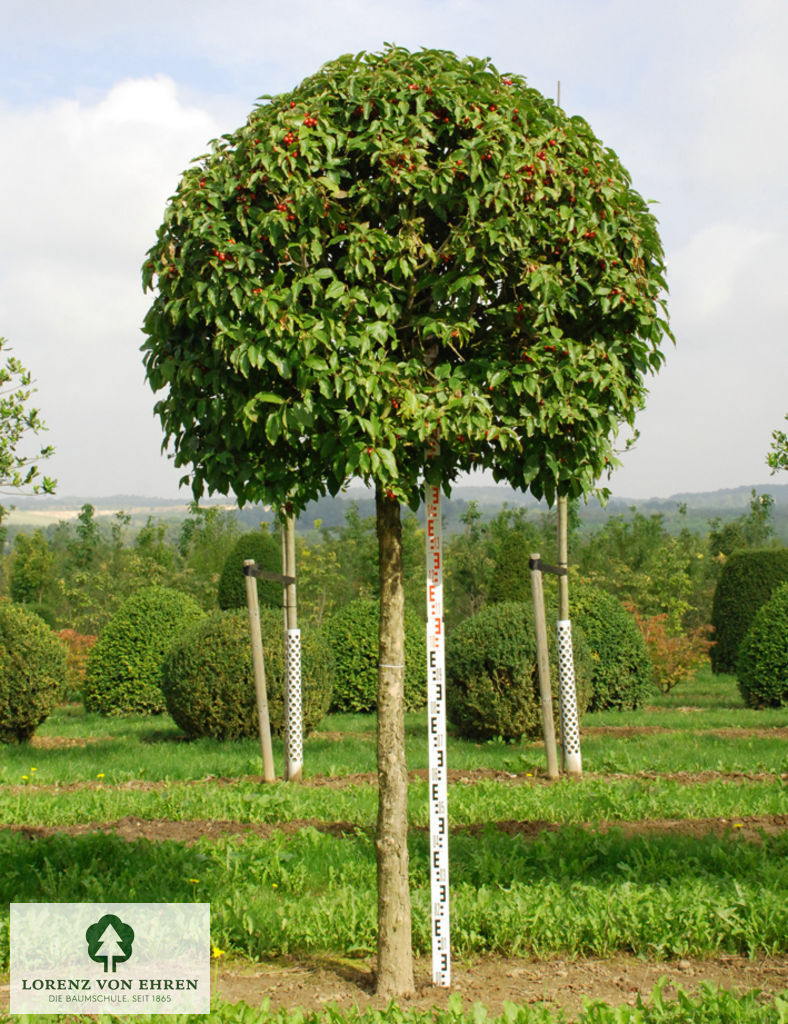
{"type": "Point", "coordinates": [76, 574]}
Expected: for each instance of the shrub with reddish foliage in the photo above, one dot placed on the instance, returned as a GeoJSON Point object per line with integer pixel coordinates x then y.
{"type": "Point", "coordinates": [79, 645]}
{"type": "Point", "coordinates": [674, 658]}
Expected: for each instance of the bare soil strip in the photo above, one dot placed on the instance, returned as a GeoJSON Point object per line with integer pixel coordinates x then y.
{"type": "Point", "coordinates": [315, 982]}
{"type": "Point", "coordinates": [130, 828]}
{"type": "Point", "coordinates": [312, 983]}
{"type": "Point", "coordinates": [624, 731]}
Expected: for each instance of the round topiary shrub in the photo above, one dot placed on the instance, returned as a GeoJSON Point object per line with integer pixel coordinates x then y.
{"type": "Point", "coordinates": [747, 581]}
{"type": "Point", "coordinates": [208, 678]}
{"type": "Point", "coordinates": [123, 671]}
{"type": "Point", "coordinates": [352, 634]}
{"type": "Point", "coordinates": [762, 665]}
{"type": "Point", "coordinates": [267, 552]}
{"type": "Point", "coordinates": [621, 670]}
{"type": "Point", "coordinates": [492, 678]}
{"type": "Point", "coordinates": [32, 672]}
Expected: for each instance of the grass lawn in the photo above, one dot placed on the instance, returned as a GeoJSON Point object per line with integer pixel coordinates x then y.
{"type": "Point", "coordinates": [673, 844]}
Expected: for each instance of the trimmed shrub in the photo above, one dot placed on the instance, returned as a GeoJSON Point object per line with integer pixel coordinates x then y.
{"type": "Point", "coordinates": [492, 677]}
{"type": "Point", "coordinates": [267, 552]}
{"type": "Point", "coordinates": [208, 678]}
{"type": "Point", "coordinates": [621, 675]}
{"type": "Point", "coordinates": [123, 672]}
{"type": "Point", "coordinates": [747, 581]}
{"type": "Point", "coordinates": [762, 665]}
{"type": "Point", "coordinates": [352, 635]}
{"type": "Point", "coordinates": [32, 672]}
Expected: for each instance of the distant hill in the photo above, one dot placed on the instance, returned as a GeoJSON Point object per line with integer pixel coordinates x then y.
{"type": "Point", "coordinates": [33, 512]}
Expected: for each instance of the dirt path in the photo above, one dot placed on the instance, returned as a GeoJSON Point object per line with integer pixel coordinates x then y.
{"type": "Point", "coordinates": [312, 983]}
{"type": "Point", "coordinates": [315, 982]}
{"type": "Point", "coordinates": [131, 828]}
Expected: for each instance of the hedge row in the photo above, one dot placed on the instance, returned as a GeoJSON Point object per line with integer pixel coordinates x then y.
{"type": "Point", "coordinates": [747, 582]}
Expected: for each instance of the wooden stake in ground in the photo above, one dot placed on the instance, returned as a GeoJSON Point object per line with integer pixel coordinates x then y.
{"type": "Point", "coordinates": [567, 694]}
{"type": "Point", "coordinates": [543, 665]}
{"type": "Point", "coordinates": [395, 954]}
{"type": "Point", "coordinates": [258, 664]}
{"type": "Point", "coordinates": [294, 730]}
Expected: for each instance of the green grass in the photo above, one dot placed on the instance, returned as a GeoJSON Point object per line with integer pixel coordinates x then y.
{"type": "Point", "coordinates": [153, 748]}
{"type": "Point", "coordinates": [576, 892]}
{"type": "Point", "coordinates": [567, 801]}
{"type": "Point", "coordinates": [705, 701]}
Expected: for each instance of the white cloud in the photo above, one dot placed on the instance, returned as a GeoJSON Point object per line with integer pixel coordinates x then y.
{"type": "Point", "coordinates": [691, 98]}
{"type": "Point", "coordinates": [90, 183]}
{"type": "Point", "coordinates": [724, 268]}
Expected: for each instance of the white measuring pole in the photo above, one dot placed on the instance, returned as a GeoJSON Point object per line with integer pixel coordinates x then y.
{"type": "Point", "coordinates": [438, 773]}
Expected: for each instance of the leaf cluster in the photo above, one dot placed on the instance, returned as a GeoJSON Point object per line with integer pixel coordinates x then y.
{"type": "Point", "coordinates": [18, 419]}
{"type": "Point", "coordinates": [406, 249]}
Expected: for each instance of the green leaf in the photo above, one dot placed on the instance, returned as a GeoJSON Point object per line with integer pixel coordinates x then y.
{"type": "Point", "coordinates": [389, 461]}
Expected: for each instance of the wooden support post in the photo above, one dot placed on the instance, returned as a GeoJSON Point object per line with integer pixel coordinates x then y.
{"type": "Point", "coordinates": [543, 664]}
{"type": "Point", "coordinates": [258, 664]}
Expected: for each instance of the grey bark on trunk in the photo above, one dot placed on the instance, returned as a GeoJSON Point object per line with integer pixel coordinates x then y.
{"type": "Point", "coordinates": [395, 953]}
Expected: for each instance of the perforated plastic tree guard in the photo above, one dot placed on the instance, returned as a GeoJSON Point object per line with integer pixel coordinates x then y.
{"type": "Point", "coordinates": [294, 734]}
{"type": "Point", "coordinates": [570, 729]}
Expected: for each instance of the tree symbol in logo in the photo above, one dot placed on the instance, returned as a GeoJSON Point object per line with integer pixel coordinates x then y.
{"type": "Point", "coordinates": [109, 941]}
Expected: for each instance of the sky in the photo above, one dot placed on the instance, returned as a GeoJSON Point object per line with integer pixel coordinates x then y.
{"type": "Point", "coordinates": [103, 105]}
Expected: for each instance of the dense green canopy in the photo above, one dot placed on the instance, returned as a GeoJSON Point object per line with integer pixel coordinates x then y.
{"type": "Point", "coordinates": [407, 247]}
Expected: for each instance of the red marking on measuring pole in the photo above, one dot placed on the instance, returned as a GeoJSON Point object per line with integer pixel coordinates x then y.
{"type": "Point", "coordinates": [438, 776]}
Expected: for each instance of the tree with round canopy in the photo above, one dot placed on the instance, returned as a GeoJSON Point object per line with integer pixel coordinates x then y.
{"type": "Point", "coordinates": [408, 267]}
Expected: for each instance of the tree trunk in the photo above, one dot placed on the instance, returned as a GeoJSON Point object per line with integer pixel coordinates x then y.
{"type": "Point", "coordinates": [395, 955]}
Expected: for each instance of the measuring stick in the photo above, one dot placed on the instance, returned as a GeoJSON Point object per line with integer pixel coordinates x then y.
{"type": "Point", "coordinates": [438, 774]}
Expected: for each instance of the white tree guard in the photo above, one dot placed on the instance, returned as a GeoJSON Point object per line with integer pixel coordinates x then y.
{"type": "Point", "coordinates": [438, 773]}
{"type": "Point", "coordinates": [570, 729]}
{"type": "Point", "coordinates": [294, 731]}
